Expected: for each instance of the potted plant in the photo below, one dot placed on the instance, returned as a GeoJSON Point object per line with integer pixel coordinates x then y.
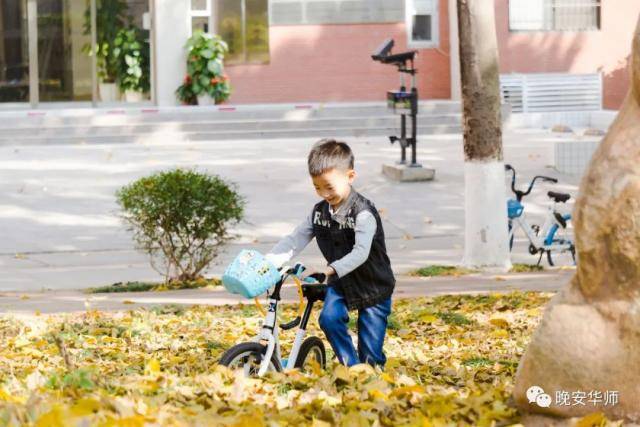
{"type": "Point", "coordinates": [110, 18]}
{"type": "Point", "coordinates": [131, 53]}
{"type": "Point", "coordinates": [185, 92]}
{"type": "Point", "coordinates": [205, 79]}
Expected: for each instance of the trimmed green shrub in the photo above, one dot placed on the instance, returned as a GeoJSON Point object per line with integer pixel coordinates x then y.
{"type": "Point", "coordinates": [181, 218]}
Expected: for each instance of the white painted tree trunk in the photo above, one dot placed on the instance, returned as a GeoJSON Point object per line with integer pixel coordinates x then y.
{"type": "Point", "coordinates": [486, 233]}
{"type": "Point", "coordinates": [486, 230]}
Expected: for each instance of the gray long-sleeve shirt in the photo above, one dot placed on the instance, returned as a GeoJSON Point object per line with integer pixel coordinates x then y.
{"type": "Point", "coordinates": [291, 245]}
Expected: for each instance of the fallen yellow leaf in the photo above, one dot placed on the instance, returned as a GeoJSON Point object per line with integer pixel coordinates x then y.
{"type": "Point", "coordinates": [152, 368]}
{"type": "Point", "coordinates": [499, 321]}
{"type": "Point", "coordinates": [406, 390]}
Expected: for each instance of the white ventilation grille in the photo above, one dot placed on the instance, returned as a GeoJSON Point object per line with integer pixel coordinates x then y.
{"type": "Point", "coordinates": [544, 92]}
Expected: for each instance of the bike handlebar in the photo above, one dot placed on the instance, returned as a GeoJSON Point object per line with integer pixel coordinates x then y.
{"type": "Point", "coordinates": [296, 271]}
{"type": "Point", "coordinates": [519, 193]}
{"type": "Point", "coordinates": [316, 278]}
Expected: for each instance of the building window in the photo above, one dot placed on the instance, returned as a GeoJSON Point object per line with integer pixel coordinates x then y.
{"type": "Point", "coordinates": [244, 25]}
{"type": "Point", "coordinates": [314, 12]}
{"type": "Point", "coordinates": [200, 15]}
{"type": "Point", "coordinates": [554, 15]}
{"type": "Point", "coordinates": [422, 23]}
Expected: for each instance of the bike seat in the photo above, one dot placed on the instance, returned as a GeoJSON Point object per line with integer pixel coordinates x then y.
{"type": "Point", "coordinates": [314, 291]}
{"type": "Point", "coordinates": [559, 197]}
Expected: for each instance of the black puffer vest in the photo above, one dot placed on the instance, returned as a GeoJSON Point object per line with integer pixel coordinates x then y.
{"type": "Point", "coordinates": [373, 281]}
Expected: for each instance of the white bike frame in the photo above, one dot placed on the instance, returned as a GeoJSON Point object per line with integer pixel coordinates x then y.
{"type": "Point", "coordinates": [269, 333]}
{"type": "Point", "coordinates": [538, 241]}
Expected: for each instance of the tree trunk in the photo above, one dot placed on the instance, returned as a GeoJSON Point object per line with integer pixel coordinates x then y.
{"type": "Point", "coordinates": [486, 233]}
{"type": "Point", "coordinates": [589, 336]}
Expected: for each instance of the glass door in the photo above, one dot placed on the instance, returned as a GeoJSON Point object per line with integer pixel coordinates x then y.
{"type": "Point", "coordinates": [124, 55]}
{"type": "Point", "coordinates": [14, 51]}
{"type": "Point", "coordinates": [46, 51]}
{"type": "Point", "coordinates": [64, 67]}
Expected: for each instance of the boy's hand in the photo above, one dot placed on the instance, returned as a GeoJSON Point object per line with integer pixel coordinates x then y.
{"type": "Point", "coordinates": [327, 271]}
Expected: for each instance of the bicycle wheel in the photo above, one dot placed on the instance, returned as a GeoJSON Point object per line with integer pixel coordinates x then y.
{"type": "Point", "coordinates": [571, 250]}
{"type": "Point", "coordinates": [248, 356]}
{"type": "Point", "coordinates": [312, 350]}
{"type": "Point", "coordinates": [512, 235]}
{"type": "Point", "coordinates": [561, 236]}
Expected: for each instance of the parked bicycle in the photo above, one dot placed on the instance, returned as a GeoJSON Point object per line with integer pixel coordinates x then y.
{"type": "Point", "coordinates": [263, 354]}
{"type": "Point", "coordinates": [550, 238]}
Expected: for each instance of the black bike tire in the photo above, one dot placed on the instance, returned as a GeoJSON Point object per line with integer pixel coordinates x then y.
{"type": "Point", "coordinates": [247, 347]}
{"type": "Point", "coordinates": [305, 349]}
{"type": "Point", "coordinates": [511, 238]}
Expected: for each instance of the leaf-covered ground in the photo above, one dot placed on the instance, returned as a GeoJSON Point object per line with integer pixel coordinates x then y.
{"type": "Point", "coordinates": [451, 361]}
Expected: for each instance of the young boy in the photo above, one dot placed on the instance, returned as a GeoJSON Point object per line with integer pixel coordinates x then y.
{"type": "Point", "coordinates": [349, 232]}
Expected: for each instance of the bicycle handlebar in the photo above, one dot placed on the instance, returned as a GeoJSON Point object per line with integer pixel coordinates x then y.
{"type": "Point", "coordinates": [519, 193]}
{"type": "Point", "coordinates": [296, 271]}
{"type": "Point", "coordinates": [316, 278]}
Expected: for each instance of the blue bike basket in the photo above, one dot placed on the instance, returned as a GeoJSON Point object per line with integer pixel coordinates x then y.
{"type": "Point", "coordinates": [514, 208]}
{"type": "Point", "coordinates": [250, 274]}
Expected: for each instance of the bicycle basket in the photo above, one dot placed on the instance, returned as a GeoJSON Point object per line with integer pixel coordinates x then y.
{"type": "Point", "coordinates": [250, 274]}
{"type": "Point", "coordinates": [514, 208]}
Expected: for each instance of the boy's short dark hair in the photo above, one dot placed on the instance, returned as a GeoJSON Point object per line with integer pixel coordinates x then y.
{"type": "Point", "coordinates": [328, 154]}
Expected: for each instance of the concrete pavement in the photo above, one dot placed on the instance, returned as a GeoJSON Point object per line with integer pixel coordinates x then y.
{"type": "Point", "coordinates": [60, 229]}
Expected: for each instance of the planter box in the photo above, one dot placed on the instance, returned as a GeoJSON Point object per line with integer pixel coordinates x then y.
{"type": "Point", "coordinates": [108, 92]}
{"type": "Point", "coordinates": [133, 96]}
{"type": "Point", "coordinates": [205, 100]}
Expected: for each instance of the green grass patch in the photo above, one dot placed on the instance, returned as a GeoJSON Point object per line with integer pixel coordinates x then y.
{"type": "Point", "coordinates": [173, 309]}
{"type": "Point", "coordinates": [393, 323]}
{"type": "Point", "coordinates": [214, 345]}
{"type": "Point", "coordinates": [441, 270]}
{"type": "Point", "coordinates": [154, 286]}
{"type": "Point", "coordinates": [525, 268]}
{"type": "Point", "coordinates": [453, 318]}
{"type": "Point", "coordinates": [452, 270]}
{"type": "Point", "coordinates": [248, 310]}
{"type": "Point", "coordinates": [353, 323]}
{"type": "Point", "coordinates": [477, 362]}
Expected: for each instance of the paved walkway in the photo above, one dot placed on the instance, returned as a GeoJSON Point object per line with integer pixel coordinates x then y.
{"type": "Point", "coordinates": [69, 301]}
{"type": "Point", "coordinates": [60, 229]}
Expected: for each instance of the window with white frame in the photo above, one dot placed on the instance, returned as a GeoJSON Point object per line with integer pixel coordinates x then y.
{"type": "Point", "coordinates": [200, 15]}
{"type": "Point", "coordinates": [421, 17]}
{"type": "Point", "coordinates": [554, 15]}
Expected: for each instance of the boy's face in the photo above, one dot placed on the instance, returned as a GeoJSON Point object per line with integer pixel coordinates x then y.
{"type": "Point", "coordinates": [334, 185]}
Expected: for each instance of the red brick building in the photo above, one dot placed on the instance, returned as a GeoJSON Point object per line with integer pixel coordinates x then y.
{"type": "Point", "coordinates": [317, 50]}
{"type": "Point", "coordinates": [317, 60]}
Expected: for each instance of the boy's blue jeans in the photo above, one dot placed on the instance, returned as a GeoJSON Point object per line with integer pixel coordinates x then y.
{"type": "Point", "coordinates": [372, 324]}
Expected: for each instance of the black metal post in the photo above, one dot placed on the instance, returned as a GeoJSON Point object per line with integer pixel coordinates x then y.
{"type": "Point", "coordinates": [403, 136]}
{"type": "Point", "coordinates": [414, 127]}
{"type": "Point", "coordinates": [397, 100]}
